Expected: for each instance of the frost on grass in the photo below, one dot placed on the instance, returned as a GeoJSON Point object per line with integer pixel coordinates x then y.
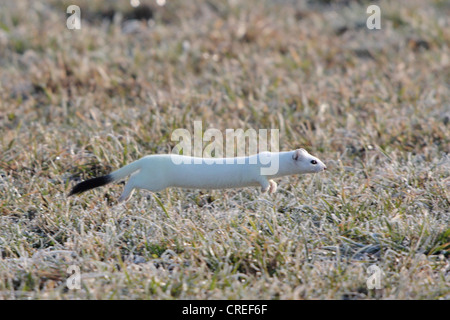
{"type": "Point", "coordinates": [372, 104]}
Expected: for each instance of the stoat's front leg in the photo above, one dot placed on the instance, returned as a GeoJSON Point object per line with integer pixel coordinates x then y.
{"type": "Point", "coordinates": [268, 185]}
{"type": "Point", "coordinates": [273, 187]}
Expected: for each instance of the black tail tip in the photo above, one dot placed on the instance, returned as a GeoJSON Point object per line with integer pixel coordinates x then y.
{"type": "Point", "coordinates": [90, 184]}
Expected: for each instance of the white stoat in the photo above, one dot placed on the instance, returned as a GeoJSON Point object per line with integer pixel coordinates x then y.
{"type": "Point", "coordinates": [158, 172]}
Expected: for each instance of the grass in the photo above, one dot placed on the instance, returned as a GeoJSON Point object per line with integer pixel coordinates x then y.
{"type": "Point", "coordinates": [372, 104]}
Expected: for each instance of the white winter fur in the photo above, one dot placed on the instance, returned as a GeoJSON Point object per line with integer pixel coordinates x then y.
{"type": "Point", "coordinates": [157, 172]}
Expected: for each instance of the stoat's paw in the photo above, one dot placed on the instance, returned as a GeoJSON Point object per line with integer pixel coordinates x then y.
{"type": "Point", "coordinates": [272, 187]}
{"type": "Point", "coordinates": [265, 185]}
{"type": "Point", "coordinates": [125, 196]}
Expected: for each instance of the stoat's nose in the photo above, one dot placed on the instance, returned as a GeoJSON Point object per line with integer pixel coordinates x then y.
{"type": "Point", "coordinates": [324, 168]}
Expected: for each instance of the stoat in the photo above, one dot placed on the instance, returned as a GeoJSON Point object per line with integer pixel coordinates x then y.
{"type": "Point", "coordinates": [158, 172]}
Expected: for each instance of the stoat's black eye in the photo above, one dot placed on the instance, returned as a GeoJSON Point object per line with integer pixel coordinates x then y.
{"type": "Point", "coordinates": [313, 161]}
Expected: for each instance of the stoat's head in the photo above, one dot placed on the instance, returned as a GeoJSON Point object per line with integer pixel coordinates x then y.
{"type": "Point", "coordinates": [306, 162]}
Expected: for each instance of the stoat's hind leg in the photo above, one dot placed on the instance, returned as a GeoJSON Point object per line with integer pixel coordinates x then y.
{"type": "Point", "coordinates": [128, 190]}
{"type": "Point", "coordinates": [127, 193]}
{"type": "Point", "coordinates": [137, 182]}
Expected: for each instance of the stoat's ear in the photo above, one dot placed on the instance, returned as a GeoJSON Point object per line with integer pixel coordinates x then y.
{"type": "Point", "coordinates": [298, 154]}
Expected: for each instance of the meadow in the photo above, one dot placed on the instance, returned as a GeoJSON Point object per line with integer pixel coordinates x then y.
{"type": "Point", "coordinates": [374, 105]}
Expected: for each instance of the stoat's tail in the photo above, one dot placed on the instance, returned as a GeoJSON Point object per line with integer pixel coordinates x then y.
{"type": "Point", "coordinates": [101, 181]}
